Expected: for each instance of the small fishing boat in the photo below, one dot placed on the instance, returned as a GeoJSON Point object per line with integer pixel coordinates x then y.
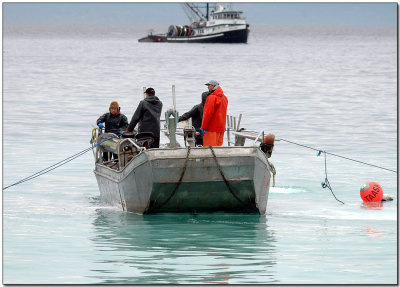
{"type": "Point", "coordinates": [233, 178]}
{"type": "Point", "coordinates": [222, 25]}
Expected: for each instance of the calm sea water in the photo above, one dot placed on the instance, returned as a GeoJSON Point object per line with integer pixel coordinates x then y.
{"type": "Point", "coordinates": [333, 89]}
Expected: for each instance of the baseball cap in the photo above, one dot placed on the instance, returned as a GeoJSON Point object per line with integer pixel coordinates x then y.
{"type": "Point", "coordinates": [212, 82]}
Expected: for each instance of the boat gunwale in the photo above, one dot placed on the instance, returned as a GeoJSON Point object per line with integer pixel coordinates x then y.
{"type": "Point", "coordinates": [148, 160]}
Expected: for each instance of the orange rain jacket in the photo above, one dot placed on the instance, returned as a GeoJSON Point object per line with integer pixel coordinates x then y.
{"type": "Point", "coordinates": [214, 114]}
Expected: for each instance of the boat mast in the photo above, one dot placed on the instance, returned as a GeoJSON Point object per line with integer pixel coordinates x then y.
{"type": "Point", "coordinates": [207, 12]}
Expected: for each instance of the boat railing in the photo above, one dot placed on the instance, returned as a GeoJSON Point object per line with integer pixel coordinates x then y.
{"type": "Point", "coordinates": [266, 142]}
{"type": "Point", "coordinates": [172, 128]}
{"type": "Point", "coordinates": [231, 126]}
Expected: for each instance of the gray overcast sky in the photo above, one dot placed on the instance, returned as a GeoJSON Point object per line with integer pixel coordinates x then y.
{"type": "Point", "coordinates": [140, 13]}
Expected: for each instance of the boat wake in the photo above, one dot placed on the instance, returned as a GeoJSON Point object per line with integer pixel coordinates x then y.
{"type": "Point", "coordinates": [286, 190]}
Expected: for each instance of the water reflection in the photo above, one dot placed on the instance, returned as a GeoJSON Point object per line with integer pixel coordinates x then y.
{"type": "Point", "coordinates": [372, 205]}
{"type": "Point", "coordinates": [182, 248]}
{"type": "Point", "coordinates": [371, 232]}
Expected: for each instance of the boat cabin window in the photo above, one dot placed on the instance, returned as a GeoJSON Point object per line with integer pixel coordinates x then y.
{"type": "Point", "coordinates": [226, 16]}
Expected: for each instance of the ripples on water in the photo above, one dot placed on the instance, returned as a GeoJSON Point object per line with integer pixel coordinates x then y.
{"type": "Point", "coordinates": [329, 88]}
{"type": "Point", "coordinates": [188, 248]}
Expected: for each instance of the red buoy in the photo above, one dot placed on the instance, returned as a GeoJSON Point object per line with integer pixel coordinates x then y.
{"type": "Point", "coordinates": [269, 139]}
{"type": "Point", "coordinates": [371, 192]}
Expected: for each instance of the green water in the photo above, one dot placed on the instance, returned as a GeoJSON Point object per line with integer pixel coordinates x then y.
{"type": "Point", "coordinates": [294, 243]}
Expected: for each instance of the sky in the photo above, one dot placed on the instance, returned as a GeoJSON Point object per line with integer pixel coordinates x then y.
{"type": "Point", "coordinates": [166, 13]}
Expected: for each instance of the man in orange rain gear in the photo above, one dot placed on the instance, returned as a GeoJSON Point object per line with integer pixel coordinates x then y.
{"type": "Point", "coordinates": [214, 116]}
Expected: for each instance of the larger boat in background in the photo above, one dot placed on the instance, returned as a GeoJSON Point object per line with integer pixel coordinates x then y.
{"type": "Point", "coordinates": [222, 25]}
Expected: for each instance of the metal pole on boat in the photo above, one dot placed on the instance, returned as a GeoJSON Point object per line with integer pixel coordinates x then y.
{"type": "Point", "coordinates": [228, 135]}
{"type": "Point", "coordinates": [172, 130]}
{"type": "Point", "coordinates": [173, 97]}
{"type": "Point", "coordinates": [144, 92]}
{"type": "Point", "coordinates": [170, 117]}
{"type": "Point", "coordinates": [238, 125]}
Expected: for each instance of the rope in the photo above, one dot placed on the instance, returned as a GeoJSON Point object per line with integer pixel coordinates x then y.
{"type": "Point", "coordinates": [327, 184]}
{"type": "Point", "coordinates": [58, 164]}
{"type": "Point", "coordinates": [151, 208]}
{"type": "Point", "coordinates": [252, 206]}
{"type": "Point", "coordinates": [339, 156]}
{"type": "Point", "coordinates": [273, 172]}
{"type": "Point", "coordinates": [94, 136]}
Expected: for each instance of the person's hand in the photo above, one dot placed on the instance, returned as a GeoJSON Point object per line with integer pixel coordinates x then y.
{"type": "Point", "coordinates": [101, 126]}
{"type": "Point", "coordinates": [203, 132]}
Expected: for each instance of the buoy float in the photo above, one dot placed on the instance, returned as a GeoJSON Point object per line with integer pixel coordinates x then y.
{"type": "Point", "coordinates": [371, 192]}
{"type": "Point", "coordinates": [269, 139]}
{"type": "Point", "coordinates": [267, 144]}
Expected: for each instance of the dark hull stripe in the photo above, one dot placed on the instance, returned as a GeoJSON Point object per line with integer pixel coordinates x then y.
{"type": "Point", "coordinates": [237, 36]}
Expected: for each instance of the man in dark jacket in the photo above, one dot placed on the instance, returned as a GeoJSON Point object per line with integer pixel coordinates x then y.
{"type": "Point", "coordinates": [115, 121]}
{"type": "Point", "coordinates": [196, 113]}
{"type": "Point", "coordinates": [148, 115]}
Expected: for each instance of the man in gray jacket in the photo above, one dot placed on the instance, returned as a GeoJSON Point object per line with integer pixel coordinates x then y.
{"type": "Point", "coordinates": [148, 115]}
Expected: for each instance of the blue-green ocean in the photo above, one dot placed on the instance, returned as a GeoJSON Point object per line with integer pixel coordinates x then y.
{"type": "Point", "coordinates": [328, 88]}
